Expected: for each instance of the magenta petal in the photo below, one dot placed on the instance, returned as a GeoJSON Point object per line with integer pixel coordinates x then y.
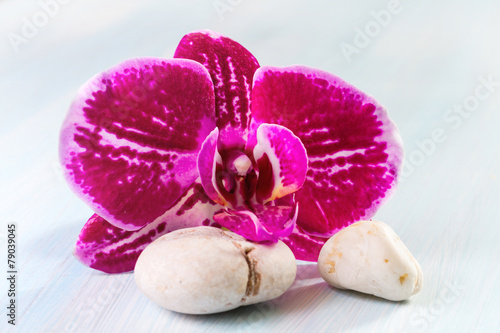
{"type": "Point", "coordinates": [130, 141]}
{"type": "Point", "coordinates": [107, 248]}
{"type": "Point", "coordinates": [266, 223]}
{"type": "Point", "coordinates": [282, 162]}
{"type": "Point", "coordinates": [304, 246]}
{"type": "Point", "coordinates": [207, 162]}
{"type": "Point", "coordinates": [354, 149]}
{"type": "Point", "coordinates": [231, 67]}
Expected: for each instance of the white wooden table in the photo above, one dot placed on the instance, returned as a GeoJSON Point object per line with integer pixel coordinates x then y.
{"type": "Point", "coordinates": [424, 62]}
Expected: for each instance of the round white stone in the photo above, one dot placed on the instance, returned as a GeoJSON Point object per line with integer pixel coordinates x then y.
{"type": "Point", "coordinates": [206, 270]}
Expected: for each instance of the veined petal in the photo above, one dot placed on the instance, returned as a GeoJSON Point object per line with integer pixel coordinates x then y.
{"type": "Point", "coordinates": [130, 140]}
{"type": "Point", "coordinates": [232, 68]}
{"type": "Point", "coordinates": [282, 162]}
{"type": "Point", "coordinates": [107, 248]}
{"type": "Point", "coordinates": [265, 223]}
{"type": "Point", "coordinates": [304, 246]}
{"type": "Point", "coordinates": [354, 149]}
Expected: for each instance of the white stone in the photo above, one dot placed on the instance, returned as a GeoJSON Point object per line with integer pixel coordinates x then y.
{"type": "Point", "coordinates": [205, 270]}
{"type": "Point", "coordinates": [369, 257]}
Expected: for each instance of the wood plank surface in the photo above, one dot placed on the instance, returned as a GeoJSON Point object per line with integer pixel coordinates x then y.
{"type": "Point", "coordinates": [435, 65]}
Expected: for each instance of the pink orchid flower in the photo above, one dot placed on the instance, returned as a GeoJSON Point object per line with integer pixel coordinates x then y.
{"type": "Point", "coordinates": [211, 138]}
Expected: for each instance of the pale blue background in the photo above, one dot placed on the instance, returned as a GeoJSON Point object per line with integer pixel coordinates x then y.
{"type": "Point", "coordinates": [429, 57]}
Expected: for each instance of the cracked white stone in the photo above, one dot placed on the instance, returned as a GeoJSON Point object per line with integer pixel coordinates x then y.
{"type": "Point", "coordinates": [369, 257]}
{"type": "Point", "coordinates": [206, 270]}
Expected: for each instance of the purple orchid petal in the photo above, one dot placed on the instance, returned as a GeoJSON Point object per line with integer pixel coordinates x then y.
{"type": "Point", "coordinates": [212, 173]}
{"type": "Point", "coordinates": [131, 138]}
{"type": "Point", "coordinates": [107, 248]}
{"type": "Point", "coordinates": [232, 68]}
{"type": "Point", "coordinates": [220, 175]}
{"type": "Point", "coordinates": [354, 149]}
{"type": "Point", "coordinates": [282, 162]}
{"type": "Point", "coordinates": [265, 223]}
{"type": "Point", "coordinates": [304, 246]}
{"type": "Point", "coordinates": [208, 159]}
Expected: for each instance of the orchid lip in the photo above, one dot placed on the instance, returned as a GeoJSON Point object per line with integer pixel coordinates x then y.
{"type": "Point", "coordinates": [261, 224]}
